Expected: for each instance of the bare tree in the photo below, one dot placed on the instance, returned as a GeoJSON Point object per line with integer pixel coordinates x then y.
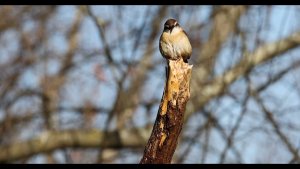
{"type": "Point", "coordinates": [82, 84]}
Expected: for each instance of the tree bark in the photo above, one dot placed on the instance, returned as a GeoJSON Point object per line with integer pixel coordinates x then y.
{"type": "Point", "coordinates": [169, 121]}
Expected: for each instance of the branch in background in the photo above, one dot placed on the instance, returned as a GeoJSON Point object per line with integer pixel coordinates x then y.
{"type": "Point", "coordinates": [100, 24]}
{"type": "Point", "coordinates": [51, 84]}
{"type": "Point", "coordinates": [269, 115]}
{"type": "Point", "coordinates": [230, 138]}
{"type": "Point", "coordinates": [122, 103]}
{"type": "Point", "coordinates": [225, 21]}
{"type": "Point", "coordinates": [9, 124]}
{"type": "Point", "coordinates": [52, 140]}
{"type": "Point", "coordinates": [205, 129]}
{"type": "Point", "coordinates": [222, 130]}
{"type": "Point", "coordinates": [261, 55]}
{"type": "Point", "coordinates": [278, 76]}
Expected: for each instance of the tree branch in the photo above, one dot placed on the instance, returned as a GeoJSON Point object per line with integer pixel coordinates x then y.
{"type": "Point", "coordinates": [269, 115]}
{"type": "Point", "coordinates": [169, 121]}
{"type": "Point", "coordinates": [261, 55]}
{"type": "Point", "coordinates": [52, 140]}
{"type": "Point", "coordinates": [224, 23]}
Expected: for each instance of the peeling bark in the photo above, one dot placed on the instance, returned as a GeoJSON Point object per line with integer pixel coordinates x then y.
{"type": "Point", "coordinates": [169, 121]}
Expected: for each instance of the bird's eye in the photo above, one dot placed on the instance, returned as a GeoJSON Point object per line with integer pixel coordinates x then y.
{"type": "Point", "coordinates": [166, 26]}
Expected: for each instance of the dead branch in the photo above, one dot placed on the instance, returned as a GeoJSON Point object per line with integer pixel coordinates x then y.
{"type": "Point", "coordinates": [168, 124]}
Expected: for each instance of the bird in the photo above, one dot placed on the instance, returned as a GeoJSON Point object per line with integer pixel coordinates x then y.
{"type": "Point", "coordinates": [174, 42]}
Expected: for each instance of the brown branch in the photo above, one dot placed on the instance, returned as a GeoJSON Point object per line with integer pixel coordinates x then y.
{"type": "Point", "coordinates": [122, 103]}
{"type": "Point", "coordinates": [100, 24]}
{"type": "Point", "coordinates": [169, 121]}
{"type": "Point", "coordinates": [269, 115]}
{"type": "Point", "coordinates": [9, 122]}
{"type": "Point", "coordinates": [51, 84]}
{"type": "Point", "coordinates": [279, 76]}
{"type": "Point", "coordinates": [224, 23]}
{"type": "Point", "coordinates": [230, 139]}
{"type": "Point", "coordinates": [190, 141]}
{"type": "Point", "coordinates": [261, 55]}
{"type": "Point", "coordinates": [52, 140]}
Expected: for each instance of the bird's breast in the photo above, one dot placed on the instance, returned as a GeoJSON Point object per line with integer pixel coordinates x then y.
{"type": "Point", "coordinates": [175, 45]}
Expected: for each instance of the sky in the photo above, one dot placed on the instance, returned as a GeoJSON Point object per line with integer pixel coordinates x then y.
{"type": "Point", "coordinates": [282, 23]}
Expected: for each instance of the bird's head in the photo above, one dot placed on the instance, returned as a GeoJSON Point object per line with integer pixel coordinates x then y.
{"type": "Point", "coordinates": [170, 25]}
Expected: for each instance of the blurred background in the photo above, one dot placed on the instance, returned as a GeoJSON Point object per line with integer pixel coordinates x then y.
{"type": "Point", "coordinates": [82, 84]}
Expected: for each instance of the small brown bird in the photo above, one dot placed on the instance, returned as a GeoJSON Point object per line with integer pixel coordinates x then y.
{"type": "Point", "coordinates": [174, 42]}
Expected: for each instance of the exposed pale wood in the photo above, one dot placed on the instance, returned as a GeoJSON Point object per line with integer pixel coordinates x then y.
{"type": "Point", "coordinates": [169, 121]}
